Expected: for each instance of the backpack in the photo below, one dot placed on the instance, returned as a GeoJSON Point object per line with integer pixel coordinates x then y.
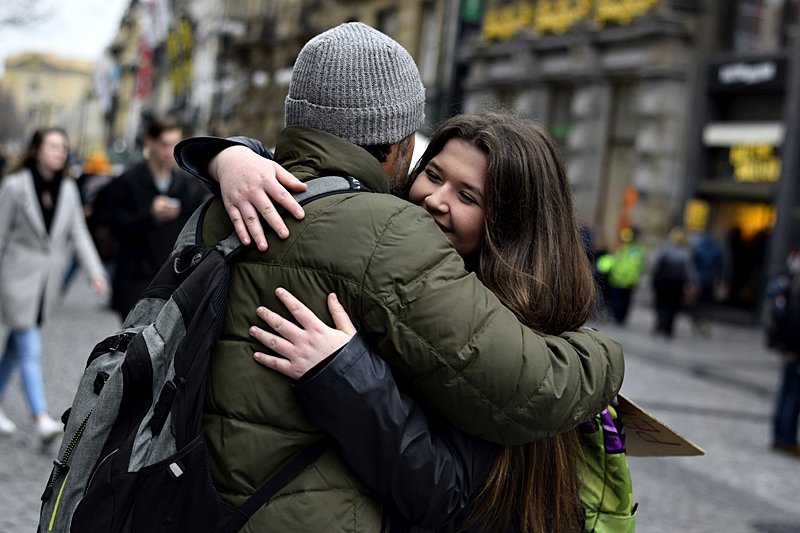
{"type": "Point", "coordinates": [604, 480]}
{"type": "Point", "coordinates": [133, 456]}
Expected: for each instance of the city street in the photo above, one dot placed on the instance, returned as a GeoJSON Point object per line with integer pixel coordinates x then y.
{"type": "Point", "coordinates": [716, 390]}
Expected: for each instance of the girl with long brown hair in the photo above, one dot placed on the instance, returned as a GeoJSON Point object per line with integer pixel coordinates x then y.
{"type": "Point", "coordinates": [496, 185]}
{"type": "Point", "coordinates": [41, 223]}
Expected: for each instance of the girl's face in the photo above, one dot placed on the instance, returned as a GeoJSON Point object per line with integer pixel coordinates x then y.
{"type": "Point", "coordinates": [451, 188]}
{"type": "Point", "coordinates": [53, 152]}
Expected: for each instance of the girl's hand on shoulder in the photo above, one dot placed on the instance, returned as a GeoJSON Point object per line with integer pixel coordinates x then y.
{"type": "Point", "coordinates": [300, 347]}
{"type": "Point", "coordinates": [252, 187]}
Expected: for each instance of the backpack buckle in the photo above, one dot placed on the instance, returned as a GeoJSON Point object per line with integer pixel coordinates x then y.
{"type": "Point", "coordinates": [181, 265]}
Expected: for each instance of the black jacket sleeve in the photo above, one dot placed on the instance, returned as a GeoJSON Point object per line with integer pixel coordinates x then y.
{"type": "Point", "coordinates": [427, 471]}
{"type": "Point", "coordinates": [195, 153]}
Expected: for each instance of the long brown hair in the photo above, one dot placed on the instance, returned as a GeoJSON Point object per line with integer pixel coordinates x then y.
{"type": "Point", "coordinates": [31, 152]}
{"type": "Point", "coordinates": [533, 259]}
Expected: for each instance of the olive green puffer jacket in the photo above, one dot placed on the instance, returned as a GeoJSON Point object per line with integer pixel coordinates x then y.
{"type": "Point", "coordinates": [447, 338]}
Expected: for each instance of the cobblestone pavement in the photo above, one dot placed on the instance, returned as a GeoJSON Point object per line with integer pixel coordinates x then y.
{"type": "Point", "coordinates": [715, 389]}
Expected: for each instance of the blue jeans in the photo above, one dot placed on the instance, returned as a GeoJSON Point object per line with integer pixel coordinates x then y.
{"type": "Point", "coordinates": [787, 404]}
{"type": "Point", "coordinates": [24, 347]}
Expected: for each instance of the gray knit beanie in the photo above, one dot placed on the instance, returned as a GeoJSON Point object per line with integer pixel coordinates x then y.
{"type": "Point", "coordinates": [358, 84]}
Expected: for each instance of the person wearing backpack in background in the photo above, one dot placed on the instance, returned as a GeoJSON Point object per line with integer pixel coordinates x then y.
{"type": "Point", "coordinates": [624, 271]}
{"type": "Point", "coordinates": [784, 336]}
{"type": "Point", "coordinates": [479, 175]}
{"type": "Point", "coordinates": [41, 223]}
{"type": "Point", "coordinates": [395, 274]}
{"type": "Point", "coordinates": [674, 280]}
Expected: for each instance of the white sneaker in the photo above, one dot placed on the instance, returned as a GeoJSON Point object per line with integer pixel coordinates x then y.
{"type": "Point", "coordinates": [7, 427]}
{"type": "Point", "coordinates": [49, 429]}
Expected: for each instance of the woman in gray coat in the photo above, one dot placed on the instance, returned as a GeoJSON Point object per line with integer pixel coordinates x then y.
{"type": "Point", "coordinates": [41, 222]}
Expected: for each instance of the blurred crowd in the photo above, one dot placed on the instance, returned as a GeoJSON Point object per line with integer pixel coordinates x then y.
{"type": "Point", "coordinates": [117, 224]}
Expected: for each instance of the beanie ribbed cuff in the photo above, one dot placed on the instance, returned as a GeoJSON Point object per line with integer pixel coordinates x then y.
{"type": "Point", "coordinates": [362, 126]}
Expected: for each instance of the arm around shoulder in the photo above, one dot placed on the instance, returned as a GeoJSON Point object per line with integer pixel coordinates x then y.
{"type": "Point", "coordinates": [428, 472]}
{"type": "Point", "coordinates": [467, 355]}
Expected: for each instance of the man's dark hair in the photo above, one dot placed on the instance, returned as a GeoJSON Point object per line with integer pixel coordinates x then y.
{"type": "Point", "coordinates": [158, 126]}
{"type": "Point", "coordinates": [378, 151]}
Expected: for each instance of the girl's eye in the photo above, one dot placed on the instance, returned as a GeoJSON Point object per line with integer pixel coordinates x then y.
{"type": "Point", "coordinates": [466, 198]}
{"type": "Point", "coordinates": [432, 176]}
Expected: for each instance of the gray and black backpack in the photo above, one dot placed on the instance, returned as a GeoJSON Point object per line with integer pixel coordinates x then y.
{"type": "Point", "coordinates": [133, 457]}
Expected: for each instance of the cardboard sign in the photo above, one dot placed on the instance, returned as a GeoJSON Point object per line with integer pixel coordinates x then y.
{"type": "Point", "coordinates": [647, 436]}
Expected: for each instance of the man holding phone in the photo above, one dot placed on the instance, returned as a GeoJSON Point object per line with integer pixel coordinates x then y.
{"type": "Point", "coordinates": [146, 208]}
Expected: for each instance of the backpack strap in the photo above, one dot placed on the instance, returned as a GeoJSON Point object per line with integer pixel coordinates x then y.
{"type": "Point", "coordinates": [316, 188]}
{"type": "Point", "coordinates": [327, 186]}
{"type": "Point", "coordinates": [290, 470]}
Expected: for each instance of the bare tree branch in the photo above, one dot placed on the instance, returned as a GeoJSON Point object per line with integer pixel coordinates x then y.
{"type": "Point", "coordinates": [21, 13]}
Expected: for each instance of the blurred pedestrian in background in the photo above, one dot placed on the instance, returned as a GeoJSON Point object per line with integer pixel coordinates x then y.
{"type": "Point", "coordinates": [784, 336]}
{"type": "Point", "coordinates": [146, 208]}
{"type": "Point", "coordinates": [674, 280]}
{"type": "Point", "coordinates": [3, 161]}
{"type": "Point", "coordinates": [624, 268]}
{"type": "Point", "coordinates": [95, 177]}
{"type": "Point", "coordinates": [708, 260]}
{"type": "Point", "coordinates": [93, 183]}
{"type": "Point", "coordinates": [41, 222]}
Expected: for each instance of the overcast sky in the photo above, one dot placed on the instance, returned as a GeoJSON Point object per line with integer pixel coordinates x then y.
{"type": "Point", "coordinates": [73, 28]}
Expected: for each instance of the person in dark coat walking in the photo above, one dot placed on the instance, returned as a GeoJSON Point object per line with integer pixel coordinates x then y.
{"type": "Point", "coordinates": [786, 315]}
{"type": "Point", "coordinates": [146, 208]}
{"type": "Point", "coordinates": [674, 280]}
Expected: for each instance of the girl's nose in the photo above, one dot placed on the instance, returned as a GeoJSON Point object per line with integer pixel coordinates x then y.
{"type": "Point", "coordinates": [437, 200]}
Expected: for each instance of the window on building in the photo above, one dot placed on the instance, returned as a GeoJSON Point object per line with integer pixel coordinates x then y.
{"type": "Point", "coordinates": [560, 119]}
{"type": "Point", "coordinates": [621, 160]}
{"type": "Point", "coordinates": [763, 25]}
{"type": "Point", "coordinates": [388, 21]}
{"type": "Point", "coordinates": [429, 40]}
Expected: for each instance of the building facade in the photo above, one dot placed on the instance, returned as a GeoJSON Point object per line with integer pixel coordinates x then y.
{"type": "Point", "coordinates": [740, 173]}
{"type": "Point", "coordinates": [50, 90]}
{"type": "Point", "coordinates": [611, 80]}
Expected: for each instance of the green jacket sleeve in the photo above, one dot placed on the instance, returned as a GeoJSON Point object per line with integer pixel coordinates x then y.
{"type": "Point", "coordinates": [452, 341]}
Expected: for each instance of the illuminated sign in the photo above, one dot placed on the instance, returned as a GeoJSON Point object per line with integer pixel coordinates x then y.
{"type": "Point", "coordinates": [501, 23]}
{"type": "Point", "coordinates": [557, 16]}
{"type": "Point", "coordinates": [621, 11]}
{"type": "Point", "coordinates": [748, 73]}
{"type": "Point", "coordinates": [754, 163]}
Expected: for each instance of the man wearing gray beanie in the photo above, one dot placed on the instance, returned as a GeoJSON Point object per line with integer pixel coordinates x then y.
{"type": "Point", "coordinates": [354, 103]}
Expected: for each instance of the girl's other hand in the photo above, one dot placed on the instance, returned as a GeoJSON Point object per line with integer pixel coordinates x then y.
{"type": "Point", "coordinates": [304, 346]}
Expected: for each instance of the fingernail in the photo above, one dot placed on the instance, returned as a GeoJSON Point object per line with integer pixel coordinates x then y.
{"type": "Point", "coordinates": [333, 295]}
{"type": "Point", "coordinates": [283, 233]}
{"type": "Point", "coordinates": [279, 291]}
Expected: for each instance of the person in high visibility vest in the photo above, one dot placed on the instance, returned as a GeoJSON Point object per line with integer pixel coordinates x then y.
{"type": "Point", "coordinates": [624, 272]}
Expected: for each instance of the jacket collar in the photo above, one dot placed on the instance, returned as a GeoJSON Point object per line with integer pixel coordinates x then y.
{"type": "Point", "coordinates": [308, 153]}
{"type": "Point", "coordinates": [32, 209]}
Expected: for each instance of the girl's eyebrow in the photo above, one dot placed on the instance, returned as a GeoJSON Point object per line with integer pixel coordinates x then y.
{"type": "Point", "coordinates": [438, 168]}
